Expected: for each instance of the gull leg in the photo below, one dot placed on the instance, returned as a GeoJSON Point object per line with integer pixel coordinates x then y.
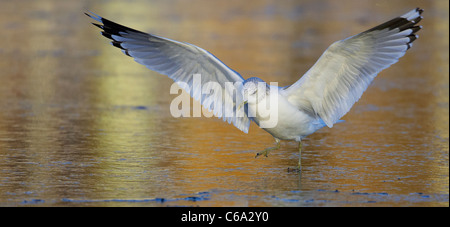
{"type": "Point", "coordinates": [265, 152]}
{"type": "Point", "coordinates": [299, 167]}
{"type": "Point", "coordinates": [300, 156]}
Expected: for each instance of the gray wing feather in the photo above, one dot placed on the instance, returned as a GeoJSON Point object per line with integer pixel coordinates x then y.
{"type": "Point", "coordinates": [345, 70]}
{"type": "Point", "coordinates": [180, 61]}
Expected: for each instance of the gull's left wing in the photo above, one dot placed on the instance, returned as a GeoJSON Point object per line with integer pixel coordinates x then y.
{"type": "Point", "coordinates": [345, 70]}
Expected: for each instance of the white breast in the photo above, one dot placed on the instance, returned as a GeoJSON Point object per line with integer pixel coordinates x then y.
{"type": "Point", "coordinates": [283, 120]}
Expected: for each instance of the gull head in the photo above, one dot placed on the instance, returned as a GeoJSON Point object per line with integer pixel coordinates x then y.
{"type": "Point", "coordinates": [254, 90]}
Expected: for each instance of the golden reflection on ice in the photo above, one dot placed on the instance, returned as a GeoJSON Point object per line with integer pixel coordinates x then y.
{"type": "Point", "coordinates": [80, 120]}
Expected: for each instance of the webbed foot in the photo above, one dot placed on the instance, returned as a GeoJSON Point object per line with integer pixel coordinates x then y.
{"type": "Point", "coordinates": [266, 151]}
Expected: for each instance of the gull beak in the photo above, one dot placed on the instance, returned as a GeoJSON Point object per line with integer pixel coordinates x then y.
{"type": "Point", "coordinates": [242, 104]}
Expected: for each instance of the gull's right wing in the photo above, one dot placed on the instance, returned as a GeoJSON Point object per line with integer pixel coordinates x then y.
{"type": "Point", "coordinates": [180, 61]}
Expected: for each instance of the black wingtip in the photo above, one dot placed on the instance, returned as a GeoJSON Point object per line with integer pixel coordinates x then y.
{"type": "Point", "coordinates": [117, 44]}
{"type": "Point", "coordinates": [401, 23]}
{"type": "Point", "coordinates": [412, 37]}
{"type": "Point", "coordinates": [107, 35]}
{"type": "Point", "coordinates": [98, 25]}
{"type": "Point", "coordinates": [417, 20]}
{"type": "Point", "coordinates": [419, 10]}
{"type": "Point", "coordinates": [93, 16]}
{"type": "Point", "coordinates": [409, 45]}
{"type": "Point", "coordinates": [416, 28]}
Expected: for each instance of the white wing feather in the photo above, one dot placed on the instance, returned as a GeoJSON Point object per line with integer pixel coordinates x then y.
{"type": "Point", "coordinates": [345, 70]}
{"type": "Point", "coordinates": [180, 61]}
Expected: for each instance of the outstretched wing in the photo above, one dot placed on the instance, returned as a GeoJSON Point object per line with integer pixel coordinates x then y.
{"type": "Point", "coordinates": [180, 61]}
{"type": "Point", "coordinates": [345, 70]}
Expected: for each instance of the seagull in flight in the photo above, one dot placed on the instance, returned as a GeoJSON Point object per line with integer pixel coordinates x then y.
{"type": "Point", "coordinates": [321, 97]}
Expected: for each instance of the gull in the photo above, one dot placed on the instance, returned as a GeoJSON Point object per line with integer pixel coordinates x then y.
{"type": "Point", "coordinates": [321, 97]}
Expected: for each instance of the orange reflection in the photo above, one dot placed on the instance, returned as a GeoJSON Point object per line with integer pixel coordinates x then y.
{"type": "Point", "coordinates": [81, 120]}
